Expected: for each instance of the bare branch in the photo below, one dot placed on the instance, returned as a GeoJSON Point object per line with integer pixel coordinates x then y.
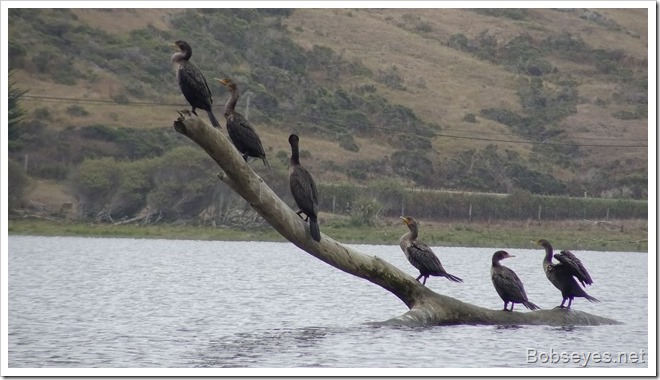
{"type": "Point", "coordinates": [427, 307]}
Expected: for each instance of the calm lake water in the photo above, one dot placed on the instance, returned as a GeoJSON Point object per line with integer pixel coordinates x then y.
{"type": "Point", "coordinates": [96, 302]}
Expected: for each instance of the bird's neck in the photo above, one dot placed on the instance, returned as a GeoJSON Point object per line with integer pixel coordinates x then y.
{"type": "Point", "coordinates": [496, 263]}
{"type": "Point", "coordinates": [230, 107]}
{"type": "Point", "coordinates": [181, 56]}
{"type": "Point", "coordinates": [548, 253]}
{"type": "Point", "coordinates": [295, 157]}
{"type": "Point", "coordinates": [412, 234]}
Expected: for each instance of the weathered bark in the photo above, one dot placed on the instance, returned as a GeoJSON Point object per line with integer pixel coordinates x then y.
{"type": "Point", "coordinates": [426, 307]}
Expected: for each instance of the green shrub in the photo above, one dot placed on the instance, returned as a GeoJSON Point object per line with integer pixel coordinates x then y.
{"type": "Point", "coordinates": [458, 41]}
{"type": "Point", "coordinates": [365, 212]}
{"type": "Point", "coordinates": [17, 184]}
{"type": "Point", "coordinates": [77, 110]}
{"type": "Point", "coordinates": [346, 142]}
{"type": "Point", "coordinates": [413, 165]}
{"type": "Point", "coordinates": [626, 115]}
{"type": "Point", "coordinates": [470, 118]}
{"type": "Point", "coordinates": [391, 78]}
{"type": "Point", "coordinates": [511, 13]}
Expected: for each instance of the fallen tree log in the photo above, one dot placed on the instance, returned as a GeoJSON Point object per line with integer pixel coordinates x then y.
{"type": "Point", "coordinates": [426, 306]}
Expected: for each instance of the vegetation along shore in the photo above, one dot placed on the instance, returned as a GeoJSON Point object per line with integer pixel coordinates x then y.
{"type": "Point", "coordinates": [613, 235]}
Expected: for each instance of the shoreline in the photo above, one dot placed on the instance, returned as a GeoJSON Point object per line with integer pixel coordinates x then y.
{"type": "Point", "coordinates": [625, 235]}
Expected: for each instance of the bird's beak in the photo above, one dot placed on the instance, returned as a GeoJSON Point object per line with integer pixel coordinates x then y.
{"type": "Point", "coordinates": [223, 81]}
{"type": "Point", "coordinates": [405, 220]}
{"type": "Point", "coordinates": [511, 256]}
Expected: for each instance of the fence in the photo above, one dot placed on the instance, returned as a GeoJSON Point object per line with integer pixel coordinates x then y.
{"type": "Point", "coordinates": [449, 205]}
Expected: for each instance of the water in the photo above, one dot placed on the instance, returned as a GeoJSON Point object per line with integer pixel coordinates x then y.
{"type": "Point", "coordinates": [95, 302]}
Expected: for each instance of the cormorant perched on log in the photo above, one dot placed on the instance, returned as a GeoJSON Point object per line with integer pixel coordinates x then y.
{"type": "Point", "coordinates": [507, 284]}
{"type": "Point", "coordinates": [420, 255]}
{"type": "Point", "coordinates": [192, 82]}
{"type": "Point", "coordinates": [563, 274]}
{"type": "Point", "coordinates": [240, 131]}
{"type": "Point", "coordinates": [303, 189]}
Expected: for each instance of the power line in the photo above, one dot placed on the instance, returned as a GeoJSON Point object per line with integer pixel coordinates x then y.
{"type": "Point", "coordinates": [510, 134]}
{"type": "Point", "coordinates": [56, 99]}
{"type": "Point", "coordinates": [435, 134]}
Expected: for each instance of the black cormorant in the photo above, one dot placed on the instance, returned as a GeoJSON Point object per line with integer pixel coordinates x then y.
{"type": "Point", "coordinates": [507, 284]}
{"type": "Point", "coordinates": [192, 82]}
{"type": "Point", "coordinates": [420, 255]}
{"type": "Point", "coordinates": [240, 131]}
{"type": "Point", "coordinates": [563, 274]}
{"type": "Point", "coordinates": [303, 189]}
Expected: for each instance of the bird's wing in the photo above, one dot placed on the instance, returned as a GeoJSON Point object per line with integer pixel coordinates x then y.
{"type": "Point", "coordinates": [193, 85]}
{"type": "Point", "coordinates": [242, 122]}
{"type": "Point", "coordinates": [244, 133]}
{"type": "Point", "coordinates": [255, 141]}
{"type": "Point", "coordinates": [508, 281]}
{"type": "Point", "coordinates": [425, 257]}
{"type": "Point", "coordinates": [305, 193]}
{"type": "Point", "coordinates": [208, 89]}
{"type": "Point", "coordinates": [574, 267]}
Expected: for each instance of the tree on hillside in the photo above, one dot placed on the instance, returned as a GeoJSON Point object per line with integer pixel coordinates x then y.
{"type": "Point", "coordinates": [17, 183]}
{"type": "Point", "coordinates": [426, 307]}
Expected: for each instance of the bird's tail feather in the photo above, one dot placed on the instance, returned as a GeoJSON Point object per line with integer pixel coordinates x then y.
{"type": "Point", "coordinates": [214, 121]}
{"type": "Point", "coordinates": [530, 305]}
{"type": "Point", "coordinates": [314, 228]}
{"type": "Point", "coordinates": [266, 164]}
{"type": "Point", "coordinates": [591, 299]}
{"type": "Point", "coordinates": [451, 277]}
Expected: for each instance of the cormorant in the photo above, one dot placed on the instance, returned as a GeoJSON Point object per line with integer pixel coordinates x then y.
{"type": "Point", "coordinates": [240, 131]}
{"type": "Point", "coordinates": [563, 274]}
{"type": "Point", "coordinates": [420, 255]}
{"type": "Point", "coordinates": [303, 189]}
{"type": "Point", "coordinates": [192, 82]}
{"type": "Point", "coordinates": [507, 284]}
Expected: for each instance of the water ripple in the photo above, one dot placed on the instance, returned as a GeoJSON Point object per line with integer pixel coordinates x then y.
{"type": "Point", "coordinates": [91, 302]}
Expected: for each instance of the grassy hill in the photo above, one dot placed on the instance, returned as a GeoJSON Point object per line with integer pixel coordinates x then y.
{"type": "Point", "coordinates": [544, 100]}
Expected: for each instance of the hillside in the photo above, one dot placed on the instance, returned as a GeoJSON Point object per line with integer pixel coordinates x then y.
{"type": "Point", "coordinates": [549, 101]}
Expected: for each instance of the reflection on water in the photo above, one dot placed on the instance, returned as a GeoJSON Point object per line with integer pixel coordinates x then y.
{"type": "Point", "coordinates": [83, 302]}
{"type": "Point", "coordinates": [260, 347]}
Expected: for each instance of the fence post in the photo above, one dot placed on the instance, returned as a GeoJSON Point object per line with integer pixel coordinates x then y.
{"type": "Point", "coordinates": [334, 196]}
{"type": "Point", "coordinates": [470, 213]}
{"type": "Point", "coordinates": [539, 212]}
